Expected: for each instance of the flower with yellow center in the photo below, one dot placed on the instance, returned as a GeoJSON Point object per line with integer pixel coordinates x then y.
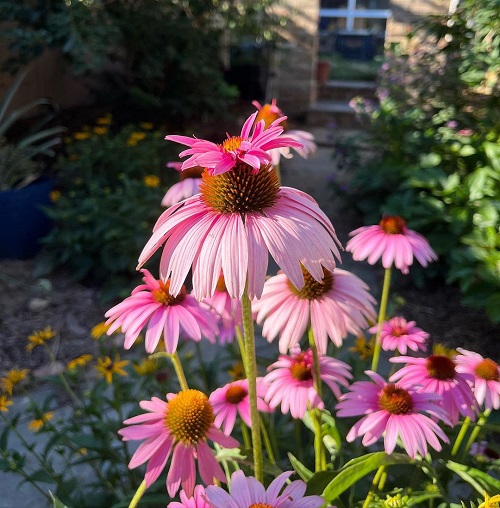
{"type": "Point", "coordinates": [12, 378]}
{"type": "Point", "coordinates": [147, 366]}
{"type": "Point", "coordinates": [55, 195]}
{"type": "Point", "coordinates": [5, 402]}
{"type": "Point", "coordinates": [105, 120]}
{"type": "Point", "coordinates": [147, 126]}
{"type": "Point", "coordinates": [151, 181]}
{"type": "Point", "coordinates": [106, 367]}
{"type": "Point", "coordinates": [81, 136]}
{"type": "Point", "coordinates": [100, 131]}
{"type": "Point", "coordinates": [490, 502]}
{"type": "Point", "coordinates": [79, 361]}
{"type": "Point", "coordinates": [180, 427]}
{"type": "Point", "coordinates": [99, 330]}
{"type": "Point", "coordinates": [362, 347]}
{"type": "Point", "coordinates": [38, 424]}
{"type": "Point", "coordinates": [40, 337]}
{"type": "Point", "coordinates": [135, 137]}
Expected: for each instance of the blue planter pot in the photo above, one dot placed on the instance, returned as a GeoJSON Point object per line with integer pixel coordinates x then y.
{"type": "Point", "coordinates": [22, 220]}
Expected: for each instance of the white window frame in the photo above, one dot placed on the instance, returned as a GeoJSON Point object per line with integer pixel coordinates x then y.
{"type": "Point", "coordinates": [351, 13]}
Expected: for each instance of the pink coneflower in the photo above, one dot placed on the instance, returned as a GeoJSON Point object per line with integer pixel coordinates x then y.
{"type": "Point", "coordinates": [198, 500]}
{"type": "Point", "coordinates": [228, 309]}
{"type": "Point", "coordinates": [250, 147]}
{"type": "Point", "coordinates": [232, 399]}
{"type": "Point", "coordinates": [152, 303]}
{"type": "Point", "coordinates": [438, 374]}
{"type": "Point", "coordinates": [397, 333]}
{"type": "Point", "coordinates": [250, 493]}
{"type": "Point", "coordinates": [338, 305]}
{"type": "Point", "coordinates": [188, 186]}
{"type": "Point", "coordinates": [392, 241]}
{"type": "Point", "coordinates": [179, 427]}
{"type": "Point", "coordinates": [237, 217]}
{"type": "Point", "coordinates": [485, 374]}
{"type": "Point", "coordinates": [395, 411]}
{"type": "Point", "coordinates": [270, 113]}
{"type": "Point", "coordinates": [291, 384]}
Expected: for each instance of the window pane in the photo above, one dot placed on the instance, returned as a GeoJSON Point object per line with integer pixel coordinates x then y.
{"type": "Point", "coordinates": [372, 4]}
{"type": "Point", "coordinates": [334, 4]}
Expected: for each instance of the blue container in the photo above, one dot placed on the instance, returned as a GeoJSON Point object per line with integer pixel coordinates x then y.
{"type": "Point", "coordinates": [22, 220]}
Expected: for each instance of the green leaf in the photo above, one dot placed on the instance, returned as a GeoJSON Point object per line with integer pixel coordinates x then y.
{"type": "Point", "coordinates": [41, 476]}
{"type": "Point", "coordinates": [301, 470]}
{"type": "Point", "coordinates": [57, 503]}
{"type": "Point", "coordinates": [357, 468]}
{"type": "Point", "coordinates": [480, 480]}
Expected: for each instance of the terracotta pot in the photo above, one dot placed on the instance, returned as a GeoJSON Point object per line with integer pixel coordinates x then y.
{"type": "Point", "coordinates": [323, 70]}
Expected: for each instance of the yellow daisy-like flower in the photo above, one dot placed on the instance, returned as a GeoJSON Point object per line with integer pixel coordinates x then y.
{"type": "Point", "coordinates": [40, 337]}
{"type": "Point", "coordinates": [5, 403]}
{"type": "Point", "coordinates": [55, 195]}
{"type": "Point", "coordinates": [147, 126]}
{"type": "Point", "coordinates": [80, 136]}
{"type": "Point", "coordinates": [99, 330]}
{"type": "Point", "coordinates": [146, 367]}
{"type": "Point", "coordinates": [105, 120]}
{"type": "Point", "coordinates": [100, 131]}
{"type": "Point", "coordinates": [236, 371]}
{"type": "Point", "coordinates": [151, 181]}
{"type": "Point", "coordinates": [79, 361]}
{"type": "Point", "coordinates": [106, 367]}
{"type": "Point", "coordinates": [442, 350]}
{"type": "Point", "coordinates": [490, 502]}
{"type": "Point", "coordinates": [363, 348]}
{"type": "Point", "coordinates": [38, 424]}
{"type": "Point", "coordinates": [12, 378]}
{"type": "Point", "coordinates": [135, 137]}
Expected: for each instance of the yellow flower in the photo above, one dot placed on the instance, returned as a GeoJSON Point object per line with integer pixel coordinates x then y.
{"type": "Point", "coordinates": [104, 120]}
{"type": "Point", "coordinates": [100, 131]}
{"type": "Point", "coordinates": [151, 181]}
{"type": "Point", "coordinates": [363, 347]}
{"type": "Point", "coordinates": [147, 126]}
{"type": "Point", "coordinates": [146, 367]}
{"type": "Point", "coordinates": [80, 136]}
{"type": "Point", "coordinates": [55, 195]}
{"type": "Point", "coordinates": [106, 367]}
{"type": "Point", "coordinates": [236, 371]}
{"type": "Point", "coordinates": [5, 403]}
{"type": "Point", "coordinates": [441, 349]}
{"type": "Point", "coordinates": [79, 361]}
{"type": "Point", "coordinates": [37, 425]}
{"type": "Point", "coordinates": [39, 337]}
{"type": "Point", "coordinates": [12, 378]}
{"type": "Point", "coordinates": [99, 330]}
{"type": "Point", "coordinates": [135, 137]}
{"type": "Point", "coordinates": [490, 502]}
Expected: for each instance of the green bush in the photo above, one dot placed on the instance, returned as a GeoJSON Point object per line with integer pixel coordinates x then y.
{"type": "Point", "coordinates": [110, 189]}
{"type": "Point", "coordinates": [436, 143]}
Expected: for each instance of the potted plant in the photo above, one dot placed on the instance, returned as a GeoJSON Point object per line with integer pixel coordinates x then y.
{"type": "Point", "coordinates": [23, 190]}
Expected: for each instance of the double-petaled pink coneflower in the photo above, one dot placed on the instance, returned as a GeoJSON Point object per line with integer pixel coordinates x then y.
{"type": "Point", "coordinates": [227, 309]}
{"type": "Point", "coordinates": [399, 334]}
{"type": "Point", "coordinates": [270, 113]}
{"type": "Point", "coordinates": [241, 214]}
{"type": "Point", "coordinates": [438, 374]}
{"type": "Point", "coordinates": [337, 305]}
{"type": "Point", "coordinates": [250, 147]}
{"type": "Point", "coordinates": [188, 186]}
{"type": "Point", "coordinates": [247, 492]}
{"type": "Point", "coordinates": [179, 428]}
{"type": "Point", "coordinates": [485, 377]}
{"type": "Point", "coordinates": [392, 241]}
{"type": "Point", "coordinates": [396, 412]}
{"type": "Point", "coordinates": [232, 400]}
{"type": "Point", "coordinates": [291, 383]}
{"type": "Point", "coordinates": [151, 304]}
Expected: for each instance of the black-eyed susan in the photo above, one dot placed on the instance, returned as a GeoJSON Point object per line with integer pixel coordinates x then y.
{"type": "Point", "coordinates": [40, 337]}
{"type": "Point", "coordinates": [135, 137]}
{"type": "Point", "coordinates": [38, 424]}
{"type": "Point", "coordinates": [362, 347]}
{"type": "Point", "coordinates": [99, 330]}
{"type": "Point", "coordinates": [490, 502]}
{"type": "Point", "coordinates": [146, 366]}
{"type": "Point", "coordinates": [5, 402]}
{"type": "Point", "coordinates": [13, 378]}
{"type": "Point", "coordinates": [106, 367]}
{"type": "Point", "coordinates": [151, 181]}
{"type": "Point", "coordinates": [79, 361]}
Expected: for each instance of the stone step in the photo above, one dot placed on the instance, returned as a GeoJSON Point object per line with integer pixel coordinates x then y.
{"type": "Point", "coordinates": [333, 114]}
{"type": "Point", "coordinates": [346, 90]}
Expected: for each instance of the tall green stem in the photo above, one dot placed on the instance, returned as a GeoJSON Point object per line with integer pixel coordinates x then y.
{"type": "Point", "coordinates": [176, 361]}
{"type": "Point", "coordinates": [251, 371]}
{"type": "Point", "coordinates": [461, 435]}
{"type": "Point", "coordinates": [138, 495]}
{"type": "Point", "coordinates": [373, 488]}
{"type": "Point", "coordinates": [381, 317]}
{"type": "Point", "coordinates": [477, 430]}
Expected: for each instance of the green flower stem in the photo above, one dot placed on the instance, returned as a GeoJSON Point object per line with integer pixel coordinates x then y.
{"type": "Point", "coordinates": [251, 371]}
{"type": "Point", "coordinates": [461, 435]}
{"type": "Point", "coordinates": [63, 379]}
{"type": "Point", "coordinates": [246, 436]}
{"type": "Point", "coordinates": [477, 429]}
{"type": "Point", "coordinates": [241, 345]}
{"type": "Point", "coordinates": [267, 442]}
{"type": "Point", "coordinates": [373, 488]}
{"type": "Point", "coordinates": [176, 361]}
{"type": "Point", "coordinates": [319, 450]}
{"type": "Point", "coordinates": [138, 495]}
{"type": "Point", "coordinates": [381, 317]}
